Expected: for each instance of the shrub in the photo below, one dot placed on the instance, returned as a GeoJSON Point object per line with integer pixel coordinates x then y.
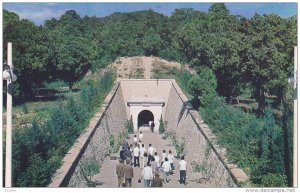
{"type": "Point", "coordinates": [202, 168]}
{"type": "Point", "coordinates": [112, 143]}
{"type": "Point", "coordinates": [38, 150]}
{"type": "Point", "coordinates": [274, 180]}
{"type": "Point", "coordinates": [36, 175]}
{"type": "Point", "coordinates": [179, 147]}
{"type": "Point", "coordinates": [129, 126]}
{"type": "Point", "coordinates": [89, 167]}
{"type": "Point", "coordinates": [25, 108]}
{"type": "Point", "coordinates": [54, 85]}
{"type": "Point", "coordinates": [161, 125]}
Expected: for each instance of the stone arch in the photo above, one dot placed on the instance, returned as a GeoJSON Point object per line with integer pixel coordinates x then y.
{"type": "Point", "coordinates": [144, 117]}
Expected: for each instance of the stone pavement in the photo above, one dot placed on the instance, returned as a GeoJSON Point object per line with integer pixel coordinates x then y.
{"type": "Point", "coordinates": [108, 175]}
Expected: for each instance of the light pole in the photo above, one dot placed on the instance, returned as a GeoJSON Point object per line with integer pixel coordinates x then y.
{"type": "Point", "coordinates": [10, 77]}
{"type": "Point", "coordinates": [295, 136]}
{"type": "Point", "coordinates": [294, 81]}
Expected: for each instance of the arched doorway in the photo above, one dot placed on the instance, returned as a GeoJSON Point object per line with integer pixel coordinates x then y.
{"type": "Point", "coordinates": [144, 117]}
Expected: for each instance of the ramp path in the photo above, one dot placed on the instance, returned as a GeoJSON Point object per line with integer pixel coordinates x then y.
{"type": "Point", "coordinates": [108, 176]}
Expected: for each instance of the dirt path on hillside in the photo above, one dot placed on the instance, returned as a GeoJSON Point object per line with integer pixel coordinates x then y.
{"type": "Point", "coordinates": [147, 63]}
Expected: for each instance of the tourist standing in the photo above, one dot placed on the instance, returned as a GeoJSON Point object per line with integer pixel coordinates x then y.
{"type": "Point", "coordinates": [150, 124]}
{"type": "Point", "coordinates": [120, 172]}
{"type": "Point", "coordinates": [182, 171]}
{"type": "Point", "coordinates": [122, 156]}
{"type": "Point", "coordinates": [142, 156]}
{"type": "Point", "coordinates": [151, 151]}
{"type": "Point", "coordinates": [125, 145]}
{"type": "Point", "coordinates": [141, 137]}
{"type": "Point", "coordinates": [171, 159]}
{"type": "Point", "coordinates": [147, 173]}
{"type": "Point", "coordinates": [128, 174]}
{"type": "Point", "coordinates": [163, 156]}
{"type": "Point", "coordinates": [135, 140]}
{"type": "Point", "coordinates": [157, 181]}
{"type": "Point", "coordinates": [128, 154]}
{"type": "Point", "coordinates": [156, 158]}
{"type": "Point", "coordinates": [167, 168]}
{"type": "Point", "coordinates": [154, 165]}
{"type": "Point", "coordinates": [136, 156]}
{"type": "Point", "coordinates": [131, 150]}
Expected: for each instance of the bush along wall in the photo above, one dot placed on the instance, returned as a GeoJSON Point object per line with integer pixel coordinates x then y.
{"type": "Point", "coordinates": [39, 149]}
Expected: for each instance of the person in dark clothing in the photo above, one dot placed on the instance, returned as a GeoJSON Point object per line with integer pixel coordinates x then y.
{"type": "Point", "coordinates": [127, 154]}
{"type": "Point", "coordinates": [157, 181]}
{"type": "Point", "coordinates": [122, 156]}
{"type": "Point", "coordinates": [125, 145]}
{"type": "Point", "coordinates": [128, 174]}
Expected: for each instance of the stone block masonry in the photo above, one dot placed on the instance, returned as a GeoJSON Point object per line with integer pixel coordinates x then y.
{"type": "Point", "coordinates": [94, 141]}
{"type": "Point", "coordinates": [201, 149]}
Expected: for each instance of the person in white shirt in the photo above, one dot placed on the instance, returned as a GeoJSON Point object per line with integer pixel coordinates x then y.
{"type": "Point", "coordinates": [147, 173]}
{"type": "Point", "coordinates": [141, 137]}
{"type": "Point", "coordinates": [135, 140]}
{"type": "Point", "coordinates": [156, 158]}
{"type": "Point", "coordinates": [182, 171]}
{"type": "Point", "coordinates": [150, 152]}
{"type": "Point", "coordinates": [142, 156]}
{"type": "Point", "coordinates": [163, 156]}
{"type": "Point", "coordinates": [150, 123]}
{"type": "Point", "coordinates": [171, 159]}
{"type": "Point", "coordinates": [167, 168]}
{"type": "Point", "coordinates": [136, 156]}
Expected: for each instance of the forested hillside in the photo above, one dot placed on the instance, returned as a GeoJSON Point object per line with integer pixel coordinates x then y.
{"type": "Point", "coordinates": [240, 57]}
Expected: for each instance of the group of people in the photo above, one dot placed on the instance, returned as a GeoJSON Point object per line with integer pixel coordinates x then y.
{"type": "Point", "coordinates": [137, 155]}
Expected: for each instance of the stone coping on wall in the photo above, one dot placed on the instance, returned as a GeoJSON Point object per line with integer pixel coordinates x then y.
{"type": "Point", "coordinates": [71, 159]}
{"type": "Point", "coordinates": [236, 173]}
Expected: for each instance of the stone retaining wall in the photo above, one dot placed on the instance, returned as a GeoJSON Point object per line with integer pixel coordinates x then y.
{"type": "Point", "coordinates": [187, 126]}
{"type": "Point", "coordinates": [94, 141]}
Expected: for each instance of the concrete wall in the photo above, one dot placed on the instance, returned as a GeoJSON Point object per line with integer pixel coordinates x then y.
{"type": "Point", "coordinates": [200, 147]}
{"type": "Point", "coordinates": [140, 87]}
{"type": "Point", "coordinates": [94, 142]}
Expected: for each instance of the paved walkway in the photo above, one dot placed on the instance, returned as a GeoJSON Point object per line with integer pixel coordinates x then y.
{"type": "Point", "coordinates": [108, 176]}
{"type": "Point", "coordinates": [148, 67]}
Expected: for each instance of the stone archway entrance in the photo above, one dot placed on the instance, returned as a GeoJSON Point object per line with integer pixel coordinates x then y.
{"type": "Point", "coordinates": [144, 118]}
{"type": "Point", "coordinates": [145, 109]}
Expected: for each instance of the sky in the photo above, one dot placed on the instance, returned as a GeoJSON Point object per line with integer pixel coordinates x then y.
{"type": "Point", "coordinates": [39, 12]}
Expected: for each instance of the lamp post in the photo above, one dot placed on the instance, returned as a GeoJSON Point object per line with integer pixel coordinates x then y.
{"type": "Point", "coordinates": [295, 136]}
{"type": "Point", "coordinates": [10, 77]}
{"type": "Point", "coordinates": [293, 82]}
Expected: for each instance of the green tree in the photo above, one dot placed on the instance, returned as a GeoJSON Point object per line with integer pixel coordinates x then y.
{"type": "Point", "coordinates": [129, 126]}
{"type": "Point", "coordinates": [218, 9]}
{"type": "Point", "coordinates": [36, 175]}
{"type": "Point", "coordinates": [267, 64]}
{"type": "Point", "coordinates": [203, 86]}
{"type": "Point", "coordinates": [287, 128]}
{"type": "Point", "coordinates": [161, 125]}
{"type": "Point", "coordinates": [152, 42]}
{"type": "Point", "coordinates": [29, 50]}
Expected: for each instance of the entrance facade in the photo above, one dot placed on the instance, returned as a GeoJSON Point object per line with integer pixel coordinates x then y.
{"type": "Point", "coordinates": [144, 110]}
